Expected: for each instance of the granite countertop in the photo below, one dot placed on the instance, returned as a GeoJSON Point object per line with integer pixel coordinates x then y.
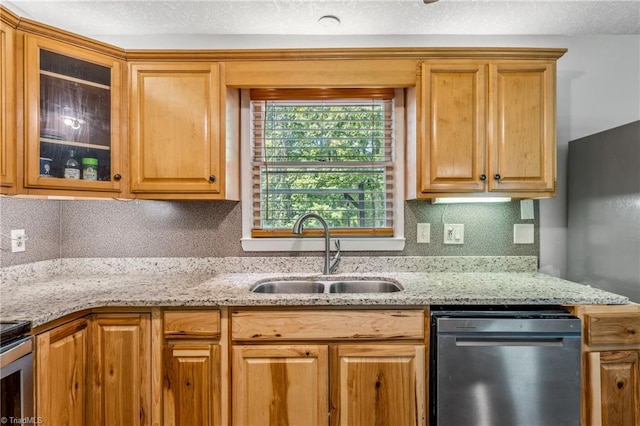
{"type": "Point", "coordinates": [47, 298]}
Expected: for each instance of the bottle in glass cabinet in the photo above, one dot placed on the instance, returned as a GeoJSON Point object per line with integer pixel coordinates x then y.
{"type": "Point", "coordinates": [72, 167]}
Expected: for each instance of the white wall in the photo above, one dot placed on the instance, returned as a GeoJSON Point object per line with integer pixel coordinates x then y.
{"type": "Point", "coordinates": [598, 88]}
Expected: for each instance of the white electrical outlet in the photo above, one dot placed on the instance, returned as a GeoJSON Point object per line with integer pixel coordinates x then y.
{"type": "Point", "coordinates": [424, 233]}
{"type": "Point", "coordinates": [454, 233]}
{"type": "Point", "coordinates": [18, 240]}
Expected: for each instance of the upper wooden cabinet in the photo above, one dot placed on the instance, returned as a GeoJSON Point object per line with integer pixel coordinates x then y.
{"type": "Point", "coordinates": [522, 116]}
{"type": "Point", "coordinates": [486, 126]}
{"type": "Point", "coordinates": [454, 112]}
{"type": "Point", "coordinates": [7, 110]}
{"type": "Point", "coordinates": [165, 124]}
{"type": "Point", "coordinates": [72, 109]}
{"type": "Point", "coordinates": [177, 121]}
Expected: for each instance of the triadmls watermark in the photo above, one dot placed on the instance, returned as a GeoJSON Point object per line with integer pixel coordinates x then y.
{"type": "Point", "coordinates": [21, 420]}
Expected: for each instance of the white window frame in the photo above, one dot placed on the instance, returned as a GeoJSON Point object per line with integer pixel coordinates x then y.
{"type": "Point", "coordinates": [395, 243]}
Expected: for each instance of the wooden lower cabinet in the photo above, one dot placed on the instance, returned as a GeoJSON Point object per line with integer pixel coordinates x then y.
{"type": "Point", "coordinates": [611, 365]}
{"type": "Point", "coordinates": [95, 371]}
{"type": "Point", "coordinates": [615, 388]}
{"type": "Point", "coordinates": [372, 384]}
{"type": "Point", "coordinates": [193, 354]}
{"type": "Point", "coordinates": [172, 368]}
{"type": "Point", "coordinates": [339, 367]}
{"type": "Point", "coordinates": [279, 385]}
{"type": "Point", "coordinates": [378, 384]}
{"type": "Point", "coordinates": [60, 375]}
{"type": "Point", "coordinates": [119, 373]}
{"type": "Point", "coordinates": [191, 389]}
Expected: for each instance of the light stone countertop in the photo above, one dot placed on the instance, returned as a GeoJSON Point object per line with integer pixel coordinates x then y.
{"type": "Point", "coordinates": [45, 298]}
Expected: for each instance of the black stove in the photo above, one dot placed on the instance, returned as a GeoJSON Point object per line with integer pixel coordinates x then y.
{"type": "Point", "coordinates": [12, 332]}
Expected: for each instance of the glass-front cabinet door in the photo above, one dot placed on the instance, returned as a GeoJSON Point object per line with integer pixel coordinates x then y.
{"type": "Point", "coordinates": [73, 99]}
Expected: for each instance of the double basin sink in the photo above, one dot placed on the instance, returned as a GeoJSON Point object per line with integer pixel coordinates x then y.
{"type": "Point", "coordinates": [326, 286]}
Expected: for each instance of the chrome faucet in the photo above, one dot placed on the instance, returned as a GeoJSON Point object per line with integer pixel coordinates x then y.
{"type": "Point", "coordinates": [329, 267]}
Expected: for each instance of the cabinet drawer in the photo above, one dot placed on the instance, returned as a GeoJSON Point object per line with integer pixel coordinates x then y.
{"type": "Point", "coordinates": [613, 328]}
{"type": "Point", "coordinates": [318, 325]}
{"type": "Point", "coordinates": [192, 324]}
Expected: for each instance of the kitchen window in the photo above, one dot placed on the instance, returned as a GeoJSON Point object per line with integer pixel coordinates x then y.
{"type": "Point", "coordinates": [327, 151]}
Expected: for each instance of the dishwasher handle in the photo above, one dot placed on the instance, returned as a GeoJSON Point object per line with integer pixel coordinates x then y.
{"type": "Point", "coordinates": [554, 342]}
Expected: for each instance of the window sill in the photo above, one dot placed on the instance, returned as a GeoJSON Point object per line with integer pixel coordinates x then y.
{"type": "Point", "coordinates": [317, 244]}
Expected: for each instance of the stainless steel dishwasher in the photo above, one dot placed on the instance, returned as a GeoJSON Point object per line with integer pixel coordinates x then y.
{"type": "Point", "coordinates": [507, 366]}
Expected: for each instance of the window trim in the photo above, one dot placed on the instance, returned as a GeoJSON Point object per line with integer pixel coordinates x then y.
{"type": "Point", "coordinates": [265, 244]}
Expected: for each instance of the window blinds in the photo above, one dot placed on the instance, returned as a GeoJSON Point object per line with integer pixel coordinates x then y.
{"type": "Point", "coordinates": [326, 152]}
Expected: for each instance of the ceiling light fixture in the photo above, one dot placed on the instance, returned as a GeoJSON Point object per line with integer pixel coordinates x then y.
{"type": "Point", "coordinates": [329, 21]}
{"type": "Point", "coordinates": [429, 1]}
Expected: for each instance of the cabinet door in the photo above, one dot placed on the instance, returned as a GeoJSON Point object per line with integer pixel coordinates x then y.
{"type": "Point", "coordinates": [453, 127]}
{"type": "Point", "coordinates": [614, 388]}
{"type": "Point", "coordinates": [119, 370]}
{"type": "Point", "coordinates": [7, 110]}
{"type": "Point", "coordinates": [191, 391]}
{"type": "Point", "coordinates": [72, 109]}
{"type": "Point", "coordinates": [522, 130]}
{"type": "Point", "coordinates": [175, 135]}
{"type": "Point", "coordinates": [280, 385]}
{"type": "Point", "coordinates": [61, 356]}
{"type": "Point", "coordinates": [378, 385]}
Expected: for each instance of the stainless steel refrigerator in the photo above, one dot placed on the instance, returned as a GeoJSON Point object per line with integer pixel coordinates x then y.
{"type": "Point", "coordinates": [604, 210]}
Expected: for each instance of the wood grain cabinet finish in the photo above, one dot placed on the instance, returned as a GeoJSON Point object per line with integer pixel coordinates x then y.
{"type": "Point", "coordinates": [191, 389]}
{"type": "Point", "coordinates": [192, 384]}
{"type": "Point", "coordinates": [7, 110]}
{"type": "Point", "coordinates": [280, 385]}
{"type": "Point", "coordinates": [176, 114]}
{"type": "Point", "coordinates": [60, 374]}
{"type": "Point", "coordinates": [192, 324]}
{"type": "Point", "coordinates": [611, 365]}
{"type": "Point", "coordinates": [487, 126]}
{"type": "Point", "coordinates": [119, 386]}
{"type": "Point", "coordinates": [70, 93]}
{"type": "Point", "coordinates": [522, 127]}
{"type": "Point", "coordinates": [615, 388]}
{"type": "Point", "coordinates": [454, 133]}
{"type": "Point", "coordinates": [379, 384]}
{"type": "Point", "coordinates": [375, 324]}
{"type": "Point", "coordinates": [346, 367]}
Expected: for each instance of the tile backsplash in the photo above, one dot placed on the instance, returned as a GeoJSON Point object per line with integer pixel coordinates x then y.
{"type": "Point", "coordinates": [112, 228]}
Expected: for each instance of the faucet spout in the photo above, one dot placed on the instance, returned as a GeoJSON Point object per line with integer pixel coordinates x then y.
{"type": "Point", "coordinates": [329, 267]}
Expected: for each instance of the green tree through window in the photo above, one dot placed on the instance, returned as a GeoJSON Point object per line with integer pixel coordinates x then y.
{"type": "Point", "coordinates": [330, 157]}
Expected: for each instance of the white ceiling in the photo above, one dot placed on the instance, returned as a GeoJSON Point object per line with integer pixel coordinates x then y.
{"type": "Point", "coordinates": [94, 18]}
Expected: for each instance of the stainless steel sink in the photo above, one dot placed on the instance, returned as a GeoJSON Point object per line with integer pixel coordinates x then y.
{"type": "Point", "coordinates": [362, 286]}
{"type": "Point", "coordinates": [328, 286]}
{"type": "Point", "coordinates": [289, 287]}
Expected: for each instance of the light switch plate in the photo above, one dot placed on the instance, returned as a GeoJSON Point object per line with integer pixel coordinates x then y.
{"type": "Point", "coordinates": [526, 210]}
{"type": "Point", "coordinates": [424, 233]}
{"type": "Point", "coordinates": [523, 233]}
